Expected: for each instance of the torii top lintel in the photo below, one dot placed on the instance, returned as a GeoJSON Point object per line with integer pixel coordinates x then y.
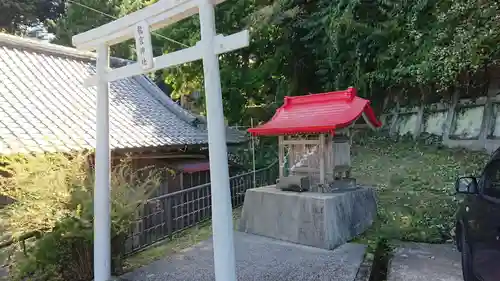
{"type": "Point", "coordinates": [318, 113]}
{"type": "Point", "coordinates": [158, 15]}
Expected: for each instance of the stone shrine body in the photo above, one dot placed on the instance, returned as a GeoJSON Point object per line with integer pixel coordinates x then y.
{"type": "Point", "coordinates": [315, 202]}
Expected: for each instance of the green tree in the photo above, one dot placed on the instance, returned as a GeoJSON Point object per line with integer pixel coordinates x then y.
{"type": "Point", "coordinates": [16, 14]}
{"type": "Point", "coordinates": [411, 47]}
{"type": "Point", "coordinates": [414, 49]}
{"type": "Point", "coordinates": [83, 15]}
{"type": "Point", "coordinates": [273, 65]}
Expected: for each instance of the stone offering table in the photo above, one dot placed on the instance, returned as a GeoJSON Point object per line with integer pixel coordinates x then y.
{"type": "Point", "coordinates": [322, 220]}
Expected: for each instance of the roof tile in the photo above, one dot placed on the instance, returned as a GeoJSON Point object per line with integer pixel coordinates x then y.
{"type": "Point", "coordinates": [45, 107]}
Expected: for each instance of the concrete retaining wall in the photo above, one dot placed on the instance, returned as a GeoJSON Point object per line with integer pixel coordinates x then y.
{"type": "Point", "coordinates": [469, 123]}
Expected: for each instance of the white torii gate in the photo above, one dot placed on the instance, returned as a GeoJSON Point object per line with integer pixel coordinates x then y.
{"type": "Point", "coordinates": [139, 25]}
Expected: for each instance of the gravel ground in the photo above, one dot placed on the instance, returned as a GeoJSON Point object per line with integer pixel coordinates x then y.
{"type": "Point", "coordinates": [260, 259]}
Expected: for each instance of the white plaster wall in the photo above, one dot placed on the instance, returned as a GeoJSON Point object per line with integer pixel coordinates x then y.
{"type": "Point", "coordinates": [406, 123]}
{"type": "Point", "coordinates": [467, 123]}
{"type": "Point", "coordinates": [496, 121]}
{"type": "Point", "coordinates": [464, 127]}
{"type": "Point", "coordinates": [434, 122]}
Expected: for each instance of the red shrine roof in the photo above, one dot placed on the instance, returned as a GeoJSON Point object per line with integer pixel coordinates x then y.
{"type": "Point", "coordinates": [318, 113]}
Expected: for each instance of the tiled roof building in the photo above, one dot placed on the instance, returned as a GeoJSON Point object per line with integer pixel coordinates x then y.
{"type": "Point", "coordinates": [45, 107]}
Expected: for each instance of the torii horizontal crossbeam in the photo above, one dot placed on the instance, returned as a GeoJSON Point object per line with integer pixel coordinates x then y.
{"type": "Point", "coordinates": [223, 44]}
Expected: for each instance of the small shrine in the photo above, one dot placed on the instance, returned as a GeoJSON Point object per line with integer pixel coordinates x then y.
{"type": "Point", "coordinates": [314, 135]}
{"type": "Point", "coordinates": [315, 156]}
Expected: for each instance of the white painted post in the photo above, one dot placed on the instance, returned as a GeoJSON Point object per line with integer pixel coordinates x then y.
{"type": "Point", "coordinates": [281, 157]}
{"type": "Point", "coordinates": [253, 156]}
{"type": "Point", "coordinates": [322, 158]}
{"type": "Point", "coordinates": [102, 207]}
{"type": "Point", "coordinates": [222, 218]}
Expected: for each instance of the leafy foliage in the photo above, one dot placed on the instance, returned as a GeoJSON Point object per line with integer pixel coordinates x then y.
{"type": "Point", "coordinates": [14, 14]}
{"type": "Point", "coordinates": [265, 150]}
{"type": "Point", "coordinates": [42, 191]}
{"type": "Point", "coordinates": [417, 47]}
{"type": "Point", "coordinates": [414, 49]}
{"type": "Point", "coordinates": [257, 75]}
{"type": "Point", "coordinates": [77, 18]}
{"type": "Point", "coordinates": [53, 194]}
{"type": "Point", "coordinates": [252, 76]}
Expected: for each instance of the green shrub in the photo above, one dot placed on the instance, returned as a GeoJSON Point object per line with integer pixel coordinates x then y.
{"type": "Point", "coordinates": [53, 194]}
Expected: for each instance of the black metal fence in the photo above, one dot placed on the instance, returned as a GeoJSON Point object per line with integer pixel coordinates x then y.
{"type": "Point", "coordinates": [167, 214]}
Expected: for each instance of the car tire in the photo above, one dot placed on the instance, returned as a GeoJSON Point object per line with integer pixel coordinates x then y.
{"type": "Point", "coordinates": [467, 269]}
{"type": "Point", "coordinates": [457, 237]}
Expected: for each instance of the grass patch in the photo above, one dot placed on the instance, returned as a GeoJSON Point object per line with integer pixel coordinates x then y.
{"type": "Point", "coordinates": [415, 187]}
{"type": "Point", "coordinates": [414, 181]}
{"type": "Point", "coordinates": [178, 242]}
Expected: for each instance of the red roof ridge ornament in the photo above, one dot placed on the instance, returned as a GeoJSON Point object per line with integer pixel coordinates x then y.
{"type": "Point", "coordinates": [318, 113]}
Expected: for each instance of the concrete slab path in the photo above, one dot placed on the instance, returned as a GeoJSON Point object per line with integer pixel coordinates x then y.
{"type": "Point", "coordinates": [424, 262]}
{"type": "Point", "coordinates": [261, 259]}
{"type": "Point", "coordinates": [3, 273]}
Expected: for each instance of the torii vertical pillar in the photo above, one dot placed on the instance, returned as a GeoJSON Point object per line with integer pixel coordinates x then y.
{"type": "Point", "coordinates": [102, 198]}
{"type": "Point", "coordinates": [222, 215]}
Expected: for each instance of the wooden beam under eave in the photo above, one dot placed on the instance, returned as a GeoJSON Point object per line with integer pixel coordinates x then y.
{"type": "Point", "coordinates": [300, 142]}
{"type": "Point", "coordinates": [167, 156]}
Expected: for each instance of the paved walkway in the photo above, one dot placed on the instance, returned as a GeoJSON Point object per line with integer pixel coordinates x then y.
{"type": "Point", "coordinates": [3, 270]}
{"type": "Point", "coordinates": [260, 259]}
{"type": "Point", "coordinates": [425, 262]}
{"type": "Point", "coordinates": [3, 273]}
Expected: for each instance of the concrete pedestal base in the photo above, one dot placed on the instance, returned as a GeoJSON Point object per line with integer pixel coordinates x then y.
{"type": "Point", "coordinates": [322, 220]}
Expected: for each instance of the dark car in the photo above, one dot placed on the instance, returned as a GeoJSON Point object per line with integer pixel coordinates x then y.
{"type": "Point", "coordinates": [477, 232]}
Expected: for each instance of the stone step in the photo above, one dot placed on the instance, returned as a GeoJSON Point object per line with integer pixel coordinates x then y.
{"type": "Point", "coordinates": [423, 262]}
{"type": "Point", "coordinates": [259, 258]}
